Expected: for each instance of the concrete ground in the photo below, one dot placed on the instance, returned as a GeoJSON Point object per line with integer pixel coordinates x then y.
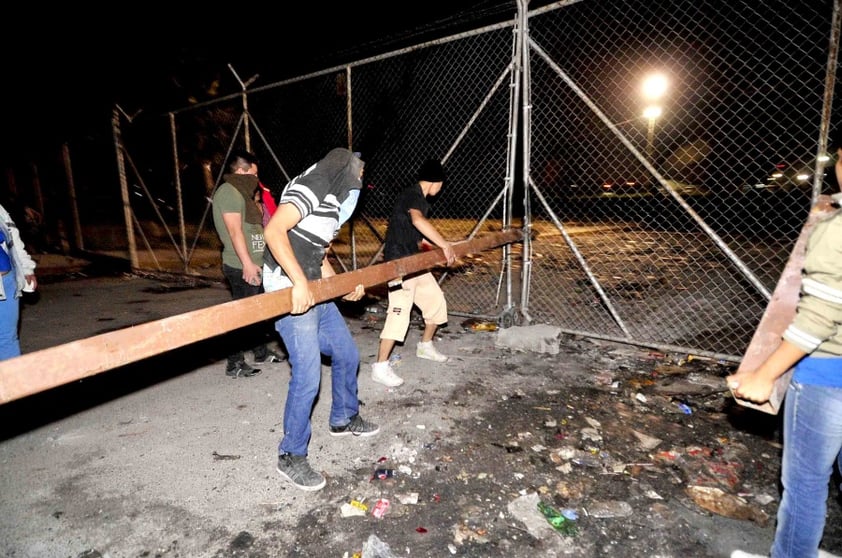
{"type": "Point", "coordinates": [170, 458]}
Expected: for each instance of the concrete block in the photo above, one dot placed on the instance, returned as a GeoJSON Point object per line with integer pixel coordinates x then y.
{"type": "Point", "coordinates": [538, 338]}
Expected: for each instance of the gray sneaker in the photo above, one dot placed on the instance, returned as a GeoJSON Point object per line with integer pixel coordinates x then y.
{"type": "Point", "coordinates": [358, 427]}
{"type": "Point", "coordinates": [296, 470]}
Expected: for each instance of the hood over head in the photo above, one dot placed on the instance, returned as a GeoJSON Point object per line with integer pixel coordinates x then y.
{"type": "Point", "coordinates": [339, 170]}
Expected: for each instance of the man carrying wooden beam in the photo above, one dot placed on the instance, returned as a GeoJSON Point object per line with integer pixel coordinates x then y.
{"type": "Point", "coordinates": [408, 233]}
{"type": "Point", "coordinates": [310, 211]}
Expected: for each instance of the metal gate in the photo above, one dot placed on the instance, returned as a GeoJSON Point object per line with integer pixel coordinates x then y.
{"type": "Point", "coordinates": [667, 229]}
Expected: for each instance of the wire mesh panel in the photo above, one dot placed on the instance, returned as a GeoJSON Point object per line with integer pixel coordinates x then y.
{"type": "Point", "coordinates": [447, 101]}
{"type": "Point", "coordinates": [296, 124]}
{"type": "Point", "coordinates": [668, 219]}
{"type": "Point", "coordinates": [662, 221]}
{"type": "Point", "coordinates": [168, 184]}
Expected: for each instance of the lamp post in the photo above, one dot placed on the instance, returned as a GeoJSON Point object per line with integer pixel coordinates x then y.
{"type": "Point", "coordinates": [654, 88]}
{"type": "Point", "coordinates": [651, 113]}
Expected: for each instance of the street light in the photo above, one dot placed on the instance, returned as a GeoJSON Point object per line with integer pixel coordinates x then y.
{"type": "Point", "coordinates": [651, 113]}
{"type": "Point", "coordinates": [654, 87]}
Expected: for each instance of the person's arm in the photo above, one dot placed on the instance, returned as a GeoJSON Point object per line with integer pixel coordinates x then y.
{"type": "Point", "coordinates": [426, 228]}
{"type": "Point", "coordinates": [276, 236]}
{"type": "Point", "coordinates": [26, 261]}
{"type": "Point", "coordinates": [328, 271]}
{"type": "Point", "coordinates": [234, 224]}
{"type": "Point", "coordinates": [757, 385]}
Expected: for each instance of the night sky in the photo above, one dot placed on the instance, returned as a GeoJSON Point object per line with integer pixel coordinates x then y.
{"type": "Point", "coordinates": [66, 67]}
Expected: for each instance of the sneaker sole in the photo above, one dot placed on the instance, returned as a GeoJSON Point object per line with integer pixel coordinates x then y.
{"type": "Point", "coordinates": [302, 486]}
{"type": "Point", "coordinates": [445, 359]}
{"type": "Point", "coordinates": [242, 375]}
{"type": "Point", "coordinates": [269, 361]}
{"type": "Point", "coordinates": [357, 434]}
{"type": "Point", "coordinates": [387, 383]}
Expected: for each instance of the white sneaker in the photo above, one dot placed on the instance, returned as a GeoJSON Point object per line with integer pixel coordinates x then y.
{"type": "Point", "coordinates": [382, 373]}
{"type": "Point", "coordinates": [426, 350]}
{"type": "Point", "coordinates": [743, 554]}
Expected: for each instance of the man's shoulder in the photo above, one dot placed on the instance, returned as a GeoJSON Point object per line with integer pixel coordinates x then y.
{"type": "Point", "coordinates": [226, 193]}
{"type": "Point", "coordinates": [411, 194]}
{"type": "Point", "coordinates": [224, 188]}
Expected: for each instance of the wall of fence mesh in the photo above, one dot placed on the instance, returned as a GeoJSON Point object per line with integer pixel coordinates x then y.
{"type": "Point", "coordinates": [450, 99]}
{"type": "Point", "coordinates": [668, 231]}
{"type": "Point", "coordinates": [673, 230]}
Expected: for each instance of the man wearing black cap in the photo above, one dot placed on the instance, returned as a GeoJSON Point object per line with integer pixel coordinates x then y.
{"type": "Point", "coordinates": [406, 233]}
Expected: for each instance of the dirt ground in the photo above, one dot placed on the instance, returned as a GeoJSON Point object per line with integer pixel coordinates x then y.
{"type": "Point", "coordinates": [644, 453]}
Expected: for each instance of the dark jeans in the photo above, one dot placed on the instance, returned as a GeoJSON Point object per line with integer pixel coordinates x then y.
{"type": "Point", "coordinates": [241, 289]}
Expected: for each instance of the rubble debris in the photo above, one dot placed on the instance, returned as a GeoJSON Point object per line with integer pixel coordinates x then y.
{"type": "Point", "coordinates": [380, 508]}
{"type": "Point", "coordinates": [375, 548]}
{"type": "Point", "coordinates": [352, 509]}
{"type": "Point", "coordinates": [718, 501]}
{"type": "Point", "coordinates": [609, 508]}
{"type": "Point", "coordinates": [646, 442]}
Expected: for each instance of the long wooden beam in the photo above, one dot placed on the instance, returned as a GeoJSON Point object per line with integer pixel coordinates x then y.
{"type": "Point", "coordinates": [780, 312]}
{"type": "Point", "coordinates": [48, 368]}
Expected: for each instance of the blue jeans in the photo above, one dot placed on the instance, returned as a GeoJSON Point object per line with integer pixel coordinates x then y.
{"type": "Point", "coordinates": [812, 443]}
{"type": "Point", "coordinates": [9, 314]}
{"type": "Point", "coordinates": [324, 327]}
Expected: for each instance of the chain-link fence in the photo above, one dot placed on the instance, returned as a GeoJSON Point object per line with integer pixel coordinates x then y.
{"type": "Point", "coordinates": [666, 230]}
{"type": "Point", "coordinates": [450, 99]}
{"type": "Point", "coordinates": [672, 228]}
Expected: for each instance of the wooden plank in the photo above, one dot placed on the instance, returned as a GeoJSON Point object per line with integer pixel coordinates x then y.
{"type": "Point", "coordinates": [780, 312]}
{"type": "Point", "coordinates": [48, 368]}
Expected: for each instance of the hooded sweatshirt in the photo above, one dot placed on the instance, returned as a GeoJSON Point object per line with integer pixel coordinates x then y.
{"type": "Point", "coordinates": [318, 193]}
{"type": "Point", "coordinates": [817, 327]}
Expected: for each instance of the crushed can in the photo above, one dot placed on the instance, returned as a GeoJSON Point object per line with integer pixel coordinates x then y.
{"type": "Point", "coordinates": [383, 474]}
{"type": "Point", "coordinates": [380, 508]}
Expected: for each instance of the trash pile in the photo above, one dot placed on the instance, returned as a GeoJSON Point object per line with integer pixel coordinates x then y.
{"type": "Point", "coordinates": [621, 461]}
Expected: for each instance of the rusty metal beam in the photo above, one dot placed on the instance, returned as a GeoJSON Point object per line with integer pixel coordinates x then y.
{"type": "Point", "coordinates": [780, 312]}
{"type": "Point", "coordinates": [48, 368]}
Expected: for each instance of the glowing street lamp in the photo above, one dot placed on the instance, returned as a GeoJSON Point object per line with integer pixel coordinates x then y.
{"type": "Point", "coordinates": [654, 87]}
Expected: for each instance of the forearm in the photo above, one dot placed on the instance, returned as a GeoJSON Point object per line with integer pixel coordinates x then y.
{"type": "Point", "coordinates": [327, 271]}
{"type": "Point", "coordinates": [426, 228]}
{"type": "Point", "coordinates": [781, 360]}
{"type": "Point", "coordinates": [238, 242]}
{"type": "Point", "coordinates": [26, 261]}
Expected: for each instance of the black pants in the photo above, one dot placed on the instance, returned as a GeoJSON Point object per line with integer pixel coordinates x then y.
{"type": "Point", "coordinates": [241, 289]}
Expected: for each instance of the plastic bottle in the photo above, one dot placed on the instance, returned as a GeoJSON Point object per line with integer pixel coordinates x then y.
{"type": "Point", "coordinates": [557, 519]}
